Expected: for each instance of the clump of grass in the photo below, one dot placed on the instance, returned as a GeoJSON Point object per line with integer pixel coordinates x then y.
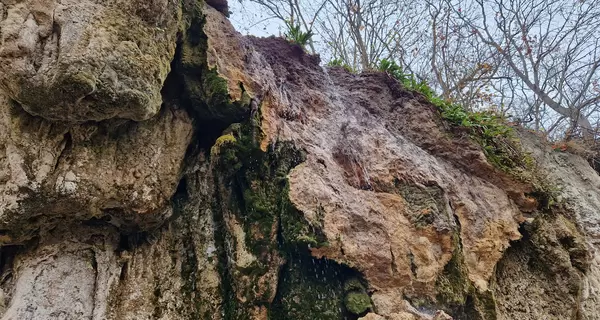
{"type": "Point", "coordinates": [407, 80]}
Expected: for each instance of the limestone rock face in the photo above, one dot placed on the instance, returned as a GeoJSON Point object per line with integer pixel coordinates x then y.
{"type": "Point", "coordinates": [252, 183]}
{"type": "Point", "coordinates": [123, 170]}
{"type": "Point", "coordinates": [96, 272]}
{"type": "Point", "coordinates": [567, 246]}
{"type": "Point", "coordinates": [87, 60]}
{"type": "Point", "coordinates": [389, 189]}
{"type": "Point", "coordinates": [388, 203]}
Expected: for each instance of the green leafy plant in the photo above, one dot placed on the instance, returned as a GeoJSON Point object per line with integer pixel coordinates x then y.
{"type": "Point", "coordinates": [338, 62]}
{"type": "Point", "coordinates": [295, 34]}
{"type": "Point", "coordinates": [393, 69]}
{"type": "Point", "coordinates": [408, 80]}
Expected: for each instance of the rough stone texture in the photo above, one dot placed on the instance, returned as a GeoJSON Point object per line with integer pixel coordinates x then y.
{"type": "Point", "coordinates": [370, 150]}
{"type": "Point", "coordinates": [172, 273]}
{"type": "Point", "coordinates": [545, 269]}
{"type": "Point", "coordinates": [353, 179]}
{"type": "Point", "coordinates": [52, 171]}
{"type": "Point", "coordinates": [254, 275]}
{"type": "Point", "coordinates": [569, 267]}
{"type": "Point", "coordinates": [87, 60]}
{"type": "Point", "coordinates": [90, 272]}
{"type": "Point", "coordinates": [61, 279]}
{"type": "Point", "coordinates": [160, 219]}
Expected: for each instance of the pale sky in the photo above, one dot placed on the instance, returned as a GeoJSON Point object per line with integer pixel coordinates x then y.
{"type": "Point", "coordinates": [250, 18]}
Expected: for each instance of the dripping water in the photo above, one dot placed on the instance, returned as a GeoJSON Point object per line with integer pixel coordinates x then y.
{"type": "Point", "coordinates": [360, 170]}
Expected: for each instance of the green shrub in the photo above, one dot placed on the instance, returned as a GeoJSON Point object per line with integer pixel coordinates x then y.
{"type": "Point", "coordinates": [408, 80]}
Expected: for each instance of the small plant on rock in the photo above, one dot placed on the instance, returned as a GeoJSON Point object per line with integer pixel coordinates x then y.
{"type": "Point", "coordinates": [338, 62]}
{"type": "Point", "coordinates": [295, 34]}
{"type": "Point", "coordinates": [356, 299]}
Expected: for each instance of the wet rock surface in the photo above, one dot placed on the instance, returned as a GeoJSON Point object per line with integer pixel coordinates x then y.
{"type": "Point", "coordinates": [182, 171]}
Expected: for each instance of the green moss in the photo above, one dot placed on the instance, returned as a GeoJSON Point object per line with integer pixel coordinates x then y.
{"type": "Point", "coordinates": [357, 302]}
{"type": "Point", "coordinates": [457, 295]}
{"type": "Point", "coordinates": [356, 299]}
{"type": "Point", "coordinates": [230, 303]}
{"type": "Point", "coordinates": [558, 245]}
{"type": "Point", "coordinates": [206, 91]}
{"type": "Point", "coordinates": [484, 305]}
{"type": "Point", "coordinates": [260, 179]}
{"type": "Point", "coordinates": [221, 141]}
{"type": "Point", "coordinates": [309, 289]}
{"type": "Point", "coordinates": [193, 304]}
{"type": "Point", "coordinates": [453, 285]}
{"type": "Point", "coordinates": [353, 284]}
{"type": "Point", "coordinates": [254, 185]}
{"type": "Point", "coordinates": [296, 231]}
{"type": "Point", "coordinates": [258, 195]}
{"type": "Point", "coordinates": [312, 288]}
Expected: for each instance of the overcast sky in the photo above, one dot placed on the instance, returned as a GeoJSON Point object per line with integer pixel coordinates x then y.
{"type": "Point", "coordinates": [249, 18]}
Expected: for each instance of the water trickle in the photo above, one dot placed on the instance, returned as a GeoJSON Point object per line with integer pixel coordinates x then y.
{"type": "Point", "coordinates": [312, 289]}
{"type": "Point", "coordinates": [360, 170]}
{"type": "Point", "coordinates": [331, 91]}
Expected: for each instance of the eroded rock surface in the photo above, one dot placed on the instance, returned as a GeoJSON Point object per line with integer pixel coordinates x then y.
{"type": "Point", "coordinates": [251, 183]}
{"type": "Point", "coordinates": [54, 171]}
{"type": "Point", "coordinates": [87, 60]}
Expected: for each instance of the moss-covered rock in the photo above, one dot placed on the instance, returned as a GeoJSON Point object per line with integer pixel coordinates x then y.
{"type": "Point", "coordinates": [357, 302]}
{"type": "Point", "coordinates": [558, 245]}
{"type": "Point", "coordinates": [309, 289]}
{"type": "Point", "coordinates": [547, 266]}
{"type": "Point", "coordinates": [255, 188]}
{"type": "Point", "coordinates": [113, 66]}
{"type": "Point", "coordinates": [260, 181]}
{"type": "Point", "coordinates": [453, 286]}
{"type": "Point", "coordinates": [205, 90]}
{"type": "Point", "coordinates": [356, 299]}
{"type": "Point", "coordinates": [456, 293]}
{"type": "Point", "coordinates": [353, 284]}
{"type": "Point", "coordinates": [426, 203]}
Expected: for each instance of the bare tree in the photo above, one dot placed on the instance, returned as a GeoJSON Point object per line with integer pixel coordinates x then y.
{"type": "Point", "coordinates": [462, 67]}
{"type": "Point", "coordinates": [551, 48]}
{"type": "Point", "coordinates": [360, 33]}
{"type": "Point", "coordinates": [534, 60]}
{"type": "Point", "coordinates": [363, 32]}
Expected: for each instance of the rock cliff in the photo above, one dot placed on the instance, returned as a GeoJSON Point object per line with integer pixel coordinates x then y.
{"type": "Point", "coordinates": [155, 164]}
